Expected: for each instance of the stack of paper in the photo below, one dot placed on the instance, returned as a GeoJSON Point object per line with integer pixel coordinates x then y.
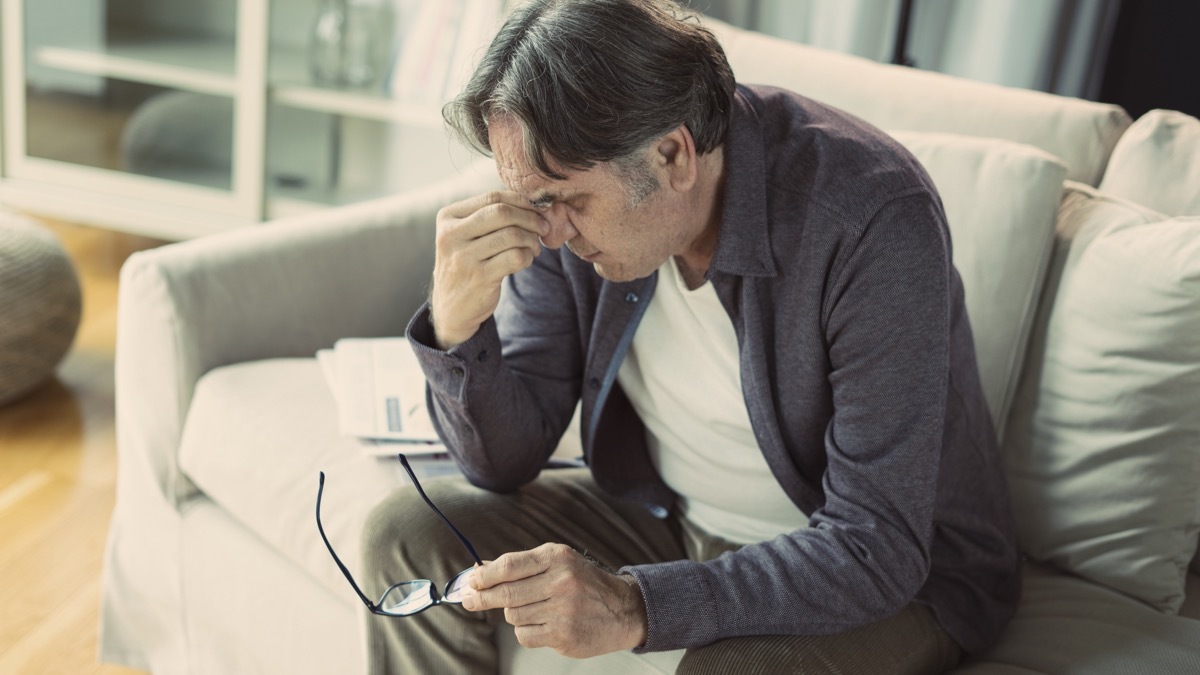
{"type": "Point", "coordinates": [380, 394]}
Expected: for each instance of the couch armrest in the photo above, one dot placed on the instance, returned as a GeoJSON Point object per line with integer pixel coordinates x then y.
{"type": "Point", "coordinates": [284, 289]}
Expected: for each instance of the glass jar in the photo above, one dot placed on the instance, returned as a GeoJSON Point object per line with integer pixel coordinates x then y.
{"type": "Point", "coordinates": [327, 43]}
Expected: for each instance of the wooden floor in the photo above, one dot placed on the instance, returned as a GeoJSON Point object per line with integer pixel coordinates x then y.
{"type": "Point", "coordinates": [57, 477]}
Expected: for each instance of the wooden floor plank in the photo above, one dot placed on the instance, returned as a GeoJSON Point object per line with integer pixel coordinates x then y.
{"type": "Point", "coordinates": [50, 573]}
{"type": "Point", "coordinates": [70, 634]}
{"type": "Point", "coordinates": [58, 462]}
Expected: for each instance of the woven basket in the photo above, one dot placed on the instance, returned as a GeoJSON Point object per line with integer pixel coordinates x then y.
{"type": "Point", "coordinates": [40, 305]}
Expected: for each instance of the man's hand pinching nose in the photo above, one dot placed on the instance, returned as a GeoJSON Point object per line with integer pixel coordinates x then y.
{"type": "Point", "coordinates": [480, 241]}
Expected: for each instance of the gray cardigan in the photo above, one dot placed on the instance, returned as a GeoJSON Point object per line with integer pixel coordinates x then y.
{"type": "Point", "coordinates": [859, 375]}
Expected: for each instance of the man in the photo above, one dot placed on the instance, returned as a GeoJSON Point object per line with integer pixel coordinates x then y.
{"type": "Point", "coordinates": [792, 467]}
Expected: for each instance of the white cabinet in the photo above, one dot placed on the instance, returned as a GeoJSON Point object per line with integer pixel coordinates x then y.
{"type": "Point", "coordinates": [178, 118]}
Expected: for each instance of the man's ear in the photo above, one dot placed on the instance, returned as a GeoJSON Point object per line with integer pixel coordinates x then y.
{"type": "Point", "coordinates": [676, 154]}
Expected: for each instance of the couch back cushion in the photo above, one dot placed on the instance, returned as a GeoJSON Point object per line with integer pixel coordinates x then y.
{"type": "Point", "coordinates": [1080, 132]}
{"type": "Point", "coordinates": [1000, 199]}
{"type": "Point", "coordinates": [1156, 163]}
{"type": "Point", "coordinates": [1103, 444]}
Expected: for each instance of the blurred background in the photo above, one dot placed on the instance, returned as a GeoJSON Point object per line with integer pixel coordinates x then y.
{"type": "Point", "coordinates": [176, 118]}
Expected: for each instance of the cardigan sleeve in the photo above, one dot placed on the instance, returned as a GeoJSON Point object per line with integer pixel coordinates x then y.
{"type": "Point", "coordinates": [501, 400]}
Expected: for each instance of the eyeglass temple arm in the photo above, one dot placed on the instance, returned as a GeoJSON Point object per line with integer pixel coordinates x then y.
{"type": "Point", "coordinates": [417, 483]}
{"type": "Point", "coordinates": [336, 559]}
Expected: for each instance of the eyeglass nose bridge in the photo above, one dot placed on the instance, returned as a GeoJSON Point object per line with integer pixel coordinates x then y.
{"type": "Point", "coordinates": [418, 595]}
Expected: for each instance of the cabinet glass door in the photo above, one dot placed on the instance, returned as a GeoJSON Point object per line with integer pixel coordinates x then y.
{"type": "Point", "coordinates": [344, 123]}
{"type": "Point", "coordinates": [128, 98]}
{"type": "Point", "coordinates": [147, 130]}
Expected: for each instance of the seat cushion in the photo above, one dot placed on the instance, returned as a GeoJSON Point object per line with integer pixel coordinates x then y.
{"type": "Point", "coordinates": [249, 610]}
{"type": "Point", "coordinates": [256, 437]}
{"type": "Point", "coordinates": [1001, 199]}
{"type": "Point", "coordinates": [1066, 625]}
{"type": "Point", "coordinates": [1154, 163]}
{"type": "Point", "coordinates": [1080, 132]}
{"type": "Point", "coordinates": [1101, 451]}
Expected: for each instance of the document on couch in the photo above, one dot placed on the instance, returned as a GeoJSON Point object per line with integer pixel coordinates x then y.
{"type": "Point", "coordinates": [379, 390]}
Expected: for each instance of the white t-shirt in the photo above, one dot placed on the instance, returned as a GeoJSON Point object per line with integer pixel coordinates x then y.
{"type": "Point", "coordinates": [681, 374]}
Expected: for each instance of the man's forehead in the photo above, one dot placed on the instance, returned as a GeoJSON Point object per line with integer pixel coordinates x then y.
{"type": "Point", "coordinates": [506, 138]}
{"type": "Point", "coordinates": [529, 184]}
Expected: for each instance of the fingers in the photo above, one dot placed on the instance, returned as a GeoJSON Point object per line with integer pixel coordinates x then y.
{"type": "Point", "coordinates": [511, 567]}
{"type": "Point", "coordinates": [508, 262]}
{"type": "Point", "coordinates": [554, 597]}
{"type": "Point", "coordinates": [480, 241]}
{"type": "Point", "coordinates": [526, 615]}
{"type": "Point", "coordinates": [507, 596]}
{"type": "Point", "coordinates": [532, 637]}
{"type": "Point", "coordinates": [520, 579]}
{"type": "Point", "coordinates": [518, 565]}
{"type": "Point", "coordinates": [511, 238]}
{"type": "Point", "coordinates": [483, 214]}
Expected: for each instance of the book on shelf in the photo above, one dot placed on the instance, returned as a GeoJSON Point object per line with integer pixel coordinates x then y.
{"type": "Point", "coordinates": [439, 45]}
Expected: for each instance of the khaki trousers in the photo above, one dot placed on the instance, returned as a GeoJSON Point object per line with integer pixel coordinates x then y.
{"type": "Point", "coordinates": [404, 540]}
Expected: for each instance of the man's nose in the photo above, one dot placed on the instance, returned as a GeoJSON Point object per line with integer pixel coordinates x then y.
{"type": "Point", "coordinates": [561, 229]}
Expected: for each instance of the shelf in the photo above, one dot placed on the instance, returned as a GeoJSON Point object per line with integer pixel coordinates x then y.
{"type": "Point", "coordinates": [290, 86]}
{"type": "Point", "coordinates": [147, 217]}
{"type": "Point", "coordinates": [363, 141]}
{"type": "Point", "coordinates": [293, 200]}
{"type": "Point", "coordinates": [204, 66]}
{"type": "Point", "coordinates": [355, 104]}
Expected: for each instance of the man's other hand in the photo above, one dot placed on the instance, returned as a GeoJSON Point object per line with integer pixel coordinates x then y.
{"type": "Point", "coordinates": [554, 597]}
{"type": "Point", "coordinates": [480, 241]}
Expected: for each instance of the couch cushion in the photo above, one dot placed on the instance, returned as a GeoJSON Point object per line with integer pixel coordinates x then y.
{"type": "Point", "coordinates": [1066, 625]}
{"type": "Point", "coordinates": [256, 438]}
{"type": "Point", "coordinates": [1155, 163]}
{"type": "Point", "coordinates": [1000, 199]}
{"type": "Point", "coordinates": [1081, 132]}
{"type": "Point", "coordinates": [257, 435]}
{"type": "Point", "coordinates": [1103, 445]}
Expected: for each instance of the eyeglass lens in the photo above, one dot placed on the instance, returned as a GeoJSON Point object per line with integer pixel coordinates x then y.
{"type": "Point", "coordinates": [410, 597]}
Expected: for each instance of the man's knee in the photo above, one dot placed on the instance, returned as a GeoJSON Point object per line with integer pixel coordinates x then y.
{"type": "Point", "coordinates": [403, 531]}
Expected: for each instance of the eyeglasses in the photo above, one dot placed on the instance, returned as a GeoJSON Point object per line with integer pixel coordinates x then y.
{"type": "Point", "coordinates": [407, 597]}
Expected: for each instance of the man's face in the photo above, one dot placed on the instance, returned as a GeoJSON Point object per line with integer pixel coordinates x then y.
{"type": "Point", "coordinates": [590, 211]}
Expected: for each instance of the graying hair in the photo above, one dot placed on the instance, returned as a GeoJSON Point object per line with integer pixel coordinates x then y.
{"type": "Point", "coordinates": [636, 176]}
{"type": "Point", "coordinates": [593, 81]}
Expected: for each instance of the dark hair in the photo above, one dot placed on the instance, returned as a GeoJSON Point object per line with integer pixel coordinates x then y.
{"type": "Point", "coordinates": [597, 80]}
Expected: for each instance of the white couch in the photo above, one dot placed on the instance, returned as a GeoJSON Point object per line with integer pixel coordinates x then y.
{"type": "Point", "coordinates": [214, 564]}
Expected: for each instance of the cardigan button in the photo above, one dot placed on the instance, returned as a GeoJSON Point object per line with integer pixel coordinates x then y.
{"type": "Point", "coordinates": [631, 297]}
